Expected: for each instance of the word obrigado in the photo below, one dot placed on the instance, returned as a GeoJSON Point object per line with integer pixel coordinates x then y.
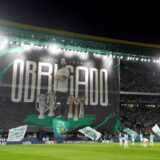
{"type": "Point", "coordinates": [29, 78]}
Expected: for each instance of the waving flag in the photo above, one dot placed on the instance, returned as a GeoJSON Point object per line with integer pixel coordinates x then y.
{"type": "Point", "coordinates": [156, 130]}
{"type": "Point", "coordinates": [17, 134]}
{"type": "Point", "coordinates": [59, 127]}
{"type": "Point", "coordinates": [91, 133]}
{"type": "Point", "coordinates": [131, 132]}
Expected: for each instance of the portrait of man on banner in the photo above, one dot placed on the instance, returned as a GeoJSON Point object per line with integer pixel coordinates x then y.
{"type": "Point", "coordinates": [62, 91]}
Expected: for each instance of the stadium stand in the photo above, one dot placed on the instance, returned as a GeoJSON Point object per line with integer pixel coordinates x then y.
{"type": "Point", "coordinates": [139, 100]}
{"type": "Point", "coordinates": [140, 95]}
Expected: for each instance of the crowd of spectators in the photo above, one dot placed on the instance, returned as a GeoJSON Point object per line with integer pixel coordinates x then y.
{"type": "Point", "coordinates": [140, 77]}
{"type": "Point", "coordinates": [140, 112]}
{"type": "Point", "coordinates": [140, 118]}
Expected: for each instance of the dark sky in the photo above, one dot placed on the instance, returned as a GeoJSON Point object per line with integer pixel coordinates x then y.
{"type": "Point", "coordinates": [95, 18]}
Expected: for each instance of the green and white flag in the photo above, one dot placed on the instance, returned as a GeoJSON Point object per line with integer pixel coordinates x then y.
{"type": "Point", "coordinates": [91, 133]}
{"type": "Point", "coordinates": [156, 130]}
{"type": "Point", "coordinates": [17, 134]}
{"type": "Point", "coordinates": [131, 132]}
{"type": "Point", "coordinates": [59, 127]}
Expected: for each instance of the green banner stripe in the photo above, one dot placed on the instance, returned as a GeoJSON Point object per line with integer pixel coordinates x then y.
{"type": "Point", "coordinates": [105, 121]}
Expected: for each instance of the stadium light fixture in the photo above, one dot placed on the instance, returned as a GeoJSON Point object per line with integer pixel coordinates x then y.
{"type": "Point", "coordinates": [70, 43]}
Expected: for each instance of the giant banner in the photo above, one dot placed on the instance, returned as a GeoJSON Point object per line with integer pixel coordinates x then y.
{"type": "Point", "coordinates": [39, 84]}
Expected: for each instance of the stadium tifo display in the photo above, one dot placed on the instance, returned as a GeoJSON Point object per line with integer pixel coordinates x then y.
{"type": "Point", "coordinates": [39, 86]}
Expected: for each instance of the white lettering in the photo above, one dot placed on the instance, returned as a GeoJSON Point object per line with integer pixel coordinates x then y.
{"type": "Point", "coordinates": [44, 73]}
{"type": "Point", "coordinates": [85, 82]}
{"type": "Point", "coordinates": [93, 88]}
{"type": "Point", "coordinates": [103, 87]}
{"type": "Point", "coordinates": [89, 82]}
{"type": "Point", "coordinates": [30, 72]}
{"type": "Point", "coordinates": [18, 67]}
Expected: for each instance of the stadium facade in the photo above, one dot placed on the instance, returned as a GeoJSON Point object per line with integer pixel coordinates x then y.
{"type": "Point", "coordinates": [29, 60]}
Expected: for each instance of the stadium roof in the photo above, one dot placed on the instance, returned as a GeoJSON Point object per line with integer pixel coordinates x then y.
{"type": "Point", "coordinates": [74, 41]}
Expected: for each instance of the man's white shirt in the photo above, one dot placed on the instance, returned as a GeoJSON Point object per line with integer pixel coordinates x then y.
{"type": "Point", "coordinates": [62, 86]}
